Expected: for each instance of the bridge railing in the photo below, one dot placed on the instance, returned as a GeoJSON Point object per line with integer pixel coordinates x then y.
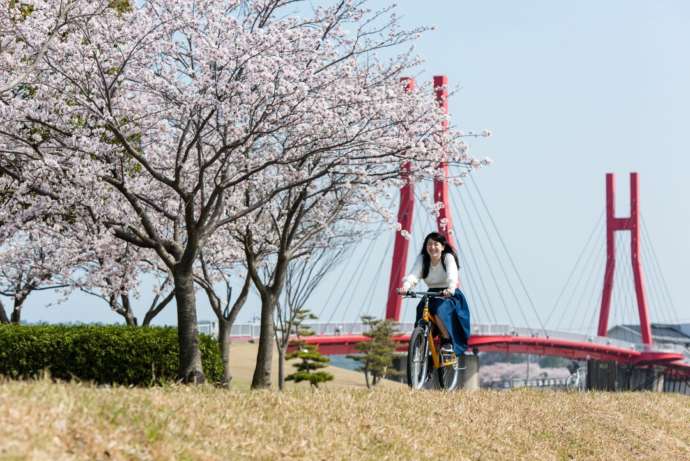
{"type": "Point", "coordinates": [576, 381]}
{"type": "Point", "coordinates": [508, 330]}
{"type": "Point", "coordinates": [252, 330]}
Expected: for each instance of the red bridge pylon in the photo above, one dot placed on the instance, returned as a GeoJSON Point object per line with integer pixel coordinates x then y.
{"type": "Point", "coordinates": [632, 224]}
{"type": "Point", "coordinates": [406, 209]}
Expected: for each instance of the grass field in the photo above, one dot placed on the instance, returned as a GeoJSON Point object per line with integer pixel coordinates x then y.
{"type": "Point", "coordinates": [45, 421]}
{"type": "Point", "coordinates": [243, 360]}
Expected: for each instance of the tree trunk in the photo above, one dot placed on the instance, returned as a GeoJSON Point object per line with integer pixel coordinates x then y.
{"type": "Point", "coordinates": [16, 315]}
{"type": "Point", "coordinates": [262, 372]}
{"type": "Point", "coordinates": [130, 319]}
{"type": "Point", "coordinates": [366, 378]}
{"type": "Point", "coordinates": [3, 314]}
{"type": "Point", "coordinates": [281, 366]}
{"type": "Point", "coordinates": [224, 347]}
{"type": "Point", "coordinates": [19, 299]}
{"type": "Point", "coordinates": [191, 370]}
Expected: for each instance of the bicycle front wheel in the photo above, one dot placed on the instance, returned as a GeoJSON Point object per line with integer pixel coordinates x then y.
{"type": "Point", "coordinates": [418, 359]}
{"type": "Point", "coordinates": [449, 377]}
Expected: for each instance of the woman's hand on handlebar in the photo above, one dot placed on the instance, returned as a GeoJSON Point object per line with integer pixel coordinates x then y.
{"type": "Point", "coordinates": [447, 293]}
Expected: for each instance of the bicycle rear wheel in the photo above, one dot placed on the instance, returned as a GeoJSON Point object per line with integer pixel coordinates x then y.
{"type": "Point", "coordinates": [418, 359]}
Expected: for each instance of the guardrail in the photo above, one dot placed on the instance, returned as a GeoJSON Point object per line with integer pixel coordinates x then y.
{"type": "Point", "coordinates": [252, 330]}
{"type": "Point", "coordinates": [576, 381]}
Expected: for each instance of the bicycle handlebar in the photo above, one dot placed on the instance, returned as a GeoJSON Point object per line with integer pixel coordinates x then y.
{"type": "Point", "coordinates": [415, 294]}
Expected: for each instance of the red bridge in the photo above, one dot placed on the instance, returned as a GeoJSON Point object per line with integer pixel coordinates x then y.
{"type": "Point", "coordinates": [492, 337]}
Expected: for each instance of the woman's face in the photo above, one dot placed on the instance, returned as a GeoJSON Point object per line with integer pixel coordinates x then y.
{"type": "Point", "coordinates": [435, 249]}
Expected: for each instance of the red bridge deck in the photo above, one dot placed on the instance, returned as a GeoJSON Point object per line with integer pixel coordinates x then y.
{"type": "Point", "coordinates": [578, 350]}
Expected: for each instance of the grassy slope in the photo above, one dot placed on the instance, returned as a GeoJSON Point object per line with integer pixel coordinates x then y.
{"type": "Point", "coordinates": [41, 420]}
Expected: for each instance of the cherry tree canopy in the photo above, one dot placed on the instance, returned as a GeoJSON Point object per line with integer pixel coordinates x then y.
{"type": "Point", "coordinates": [169, 121]}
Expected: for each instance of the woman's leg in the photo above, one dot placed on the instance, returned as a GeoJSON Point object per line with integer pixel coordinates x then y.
{"type": "Point", "coordinates": [438, 321]}
{"type": "Point", "coordinates": [441, 326]}
{"type": "Point", "coordinates": [420, 309]}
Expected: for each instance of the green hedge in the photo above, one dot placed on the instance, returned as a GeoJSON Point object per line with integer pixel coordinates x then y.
{"type": "Point", "coordinates": [97, 353]}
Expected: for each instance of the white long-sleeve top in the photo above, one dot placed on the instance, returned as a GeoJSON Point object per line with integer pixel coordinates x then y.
{"type": "Point", "coordinates": [437, 277]}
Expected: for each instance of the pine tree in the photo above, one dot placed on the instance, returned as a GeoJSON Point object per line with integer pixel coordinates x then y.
{"type": "Point", "coordinates": [376, 354]}
{"type": "Point", "coordinates": [312, 359]}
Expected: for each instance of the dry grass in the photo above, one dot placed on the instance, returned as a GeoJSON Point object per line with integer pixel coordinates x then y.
{"type": "Point", "coordinates": [41, 420]}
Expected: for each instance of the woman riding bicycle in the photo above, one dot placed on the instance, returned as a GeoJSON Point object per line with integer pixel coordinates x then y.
{"type": "Point", "coordinates": [438, 265]}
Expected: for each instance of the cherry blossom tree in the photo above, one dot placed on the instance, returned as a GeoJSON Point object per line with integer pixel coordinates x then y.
{"type": "Point", "coordinates": [116, 279]}
{"type": "Point", "coordinates": [36, 252]}
{"type": "Point", "coordinates": [29, 28]}
{"type": "Point", "coordinates": [215, 278]}
{"type": "Point", "coordinates": [27, 267]}
{"type": "Point", "coordinates": [302, 277]}
{"type": "Point", "coordinates": [301, 222]}
{"type": "Point", "coordinates": [172, 121]}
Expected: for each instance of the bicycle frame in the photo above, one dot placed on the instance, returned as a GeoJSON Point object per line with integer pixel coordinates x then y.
{"type": "Point", "coordinates": [435, 355]}
{"type": "Point", "coordinates": [420, 370]}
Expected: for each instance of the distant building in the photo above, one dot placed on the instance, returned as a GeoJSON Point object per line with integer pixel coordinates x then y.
{"type": "Point", "coordinates": [662, 334]}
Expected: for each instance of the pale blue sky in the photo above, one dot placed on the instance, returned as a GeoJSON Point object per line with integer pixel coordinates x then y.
{"type": "Point", "coordinates": [571, 90]}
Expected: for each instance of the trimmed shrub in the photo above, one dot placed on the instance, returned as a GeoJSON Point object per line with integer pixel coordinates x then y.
{"type": "Point", "coordinates": [99, 353]}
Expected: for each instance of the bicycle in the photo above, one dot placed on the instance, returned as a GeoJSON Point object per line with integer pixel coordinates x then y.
{"type": "Point", "coordinates": [423, 353]}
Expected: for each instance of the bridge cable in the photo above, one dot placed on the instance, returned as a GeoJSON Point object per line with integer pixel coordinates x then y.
{"type": "Point", "coordinates": [467, 256]}
{"type": "Point", "coordinates": [653, 286]}
{"type": "Point", "coordinates": [593, 267]}
{"type": "Point", "coordinates": [465, 221]}
{"type": "Point", "coordinates": [505, 248]}
{"type": "Point", "coordinates": [634, 309]}
{"type": "Point", "coordinates": [572, 272]}
{"type": "Point", "coordinates": [583, 289]}
{"type": "Point", "coordinates": [471, 290]}
{"type": "Point", "coordinates": [357, 272]}
{"type": "Point", "coordinates": [482, 308]}
{"type": "Point", "coordinates": [488, 265]}
{"type": "Point", "coordinates": [583, 292]}
{"type": "Point", "coordinates": [345, 266]}
{"type": "Point", "coordinates": [333, 291]}
{"type": "Point", "coordinates": [497, 256]}
{"type": "Point", "coordinates": [596, 292]}
{"type": "Point", "coordinates": [479, 295]}
{"type": "Point", "coordinates": [619, 297]}
{"type": "Point", "coordinates": [373, 285]}
{"type": "Point", "coordinates": [330, 295]}
{"type": "Point", "coordinates": [661, 272]}
{"type": "Point", "coordinates": [655, 303]}
{"type": "Point", "coordinates": [589, 292]}
{"type": "Point", "coordinates": [630, 300]}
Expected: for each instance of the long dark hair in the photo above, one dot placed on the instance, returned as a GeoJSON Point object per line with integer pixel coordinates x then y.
{"type": "Point", "coordinates": [426, 259]}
